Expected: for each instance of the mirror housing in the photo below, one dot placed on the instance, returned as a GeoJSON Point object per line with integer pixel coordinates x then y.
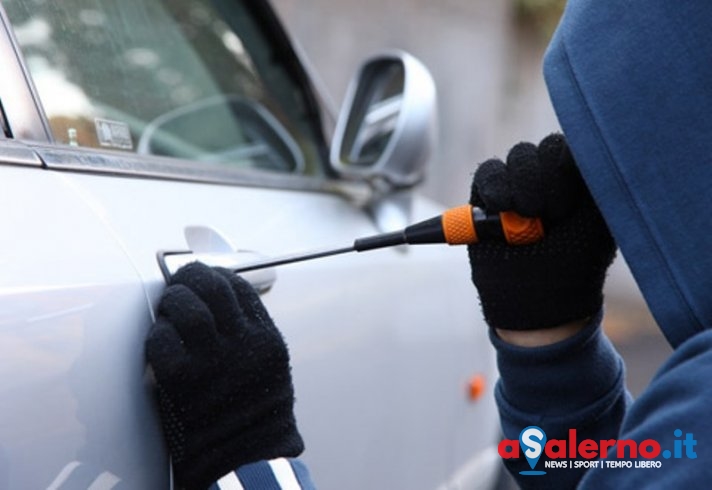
{"type": "Point", "coordinates": [386, 129]}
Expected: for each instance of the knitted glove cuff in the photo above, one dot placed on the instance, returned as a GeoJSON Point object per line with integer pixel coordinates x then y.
{"type": "Point", "coordinates": [227, 453]}
{"type": "Point", "coordinates": [545, 298]}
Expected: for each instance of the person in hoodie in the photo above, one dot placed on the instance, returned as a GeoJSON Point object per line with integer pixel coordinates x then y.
{"type": "Point", "coordinates": [629, 81]}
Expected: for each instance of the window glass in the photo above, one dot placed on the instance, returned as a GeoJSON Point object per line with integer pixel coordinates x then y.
{"type": "Point", "coordinates": [195, 79]}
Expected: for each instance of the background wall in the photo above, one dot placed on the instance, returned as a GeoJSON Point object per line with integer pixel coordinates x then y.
{"type": "Point", "coordinates": [485, 57]}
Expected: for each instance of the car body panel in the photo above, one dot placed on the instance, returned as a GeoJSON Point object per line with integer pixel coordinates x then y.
{"type": "Point", "coordinates": [73, 314]}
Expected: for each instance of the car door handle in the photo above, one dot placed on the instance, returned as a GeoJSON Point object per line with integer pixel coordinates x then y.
{"type": "Point", "coordinates": [262, 280]}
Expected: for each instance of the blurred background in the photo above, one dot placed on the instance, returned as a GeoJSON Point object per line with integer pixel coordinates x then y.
{"type": "Point", "coordinates": [485, 57]}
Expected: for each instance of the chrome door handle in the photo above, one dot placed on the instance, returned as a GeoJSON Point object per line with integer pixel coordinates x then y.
{"type": "Point", "coordinates": [262, 280]}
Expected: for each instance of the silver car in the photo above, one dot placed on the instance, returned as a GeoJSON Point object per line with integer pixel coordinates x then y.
{"type": "Point", "coordinates": [139, 135]}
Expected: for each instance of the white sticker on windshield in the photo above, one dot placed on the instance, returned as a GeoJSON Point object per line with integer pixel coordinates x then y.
{"type": "Point", "coordinates": [113, 134]}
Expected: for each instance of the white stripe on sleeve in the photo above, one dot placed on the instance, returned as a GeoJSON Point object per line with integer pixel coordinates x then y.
{"type": "Point", "coordinates": [230, 482]}
{"type": "Point", "coordinates": [284, 474]}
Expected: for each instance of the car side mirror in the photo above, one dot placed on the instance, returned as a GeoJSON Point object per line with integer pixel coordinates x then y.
{"type": "Point", "coordinates": [386, 129]}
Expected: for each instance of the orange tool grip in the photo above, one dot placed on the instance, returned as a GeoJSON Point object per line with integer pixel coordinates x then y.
{"type": "Point", "coordinates": [460, 227]}
{"type": "Point", "coordinates": [519, 230]}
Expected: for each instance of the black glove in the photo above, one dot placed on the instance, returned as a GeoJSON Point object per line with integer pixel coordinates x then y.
{"type": "Point", "coordinates": [560, 278]}
{"type": "Point", "coordinates": [222, 377]}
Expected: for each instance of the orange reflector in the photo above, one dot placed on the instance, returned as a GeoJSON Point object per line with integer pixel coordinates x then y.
{"type": "Point", "coordinates": [476, 387]}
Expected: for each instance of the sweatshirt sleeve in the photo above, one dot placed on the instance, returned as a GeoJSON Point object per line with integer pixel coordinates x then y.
{"type": "Point", "coordinates": [275, 474]}
{"type": "Point", "coordinates": [674, 413]}
{"type": "Point", "coordinates": [577, 383]}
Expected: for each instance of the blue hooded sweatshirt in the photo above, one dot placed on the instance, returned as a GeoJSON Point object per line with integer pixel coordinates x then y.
{"type": "Point", "coordinates": [631, 83]}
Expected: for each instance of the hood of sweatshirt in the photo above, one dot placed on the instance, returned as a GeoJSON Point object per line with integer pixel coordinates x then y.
{"type": "Point", "coordinates": [631, 84]}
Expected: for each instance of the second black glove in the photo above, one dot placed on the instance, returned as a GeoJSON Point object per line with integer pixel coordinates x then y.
{"type": "Point", "coordinates": [222, 377]}
{"type": "Point", "coordinates": [560, 278]}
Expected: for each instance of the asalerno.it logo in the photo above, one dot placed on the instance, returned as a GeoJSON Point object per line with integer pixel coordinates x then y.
{"type": "Point", "coordinates": [607, 453]}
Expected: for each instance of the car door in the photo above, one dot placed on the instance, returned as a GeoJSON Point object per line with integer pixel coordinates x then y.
{"type": "Point", "coordinates": [172, 131]}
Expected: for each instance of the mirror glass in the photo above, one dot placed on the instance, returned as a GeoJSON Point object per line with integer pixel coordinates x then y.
{"type": "Point", "coordinates": [377, 104]}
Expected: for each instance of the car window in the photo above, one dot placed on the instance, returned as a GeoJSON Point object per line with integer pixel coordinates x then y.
{"type": "Point", "coordinates": [192, 79]}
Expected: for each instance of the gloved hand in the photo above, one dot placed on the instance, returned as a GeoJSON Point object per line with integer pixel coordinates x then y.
{"type": "Point", "coordinates": [560, 278]}
{"type": "Point", "coordinates": [222, 377]}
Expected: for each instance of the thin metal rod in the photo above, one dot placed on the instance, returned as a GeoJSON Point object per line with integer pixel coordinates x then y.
{"type": "Point", "coordinates": [288, 259]}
